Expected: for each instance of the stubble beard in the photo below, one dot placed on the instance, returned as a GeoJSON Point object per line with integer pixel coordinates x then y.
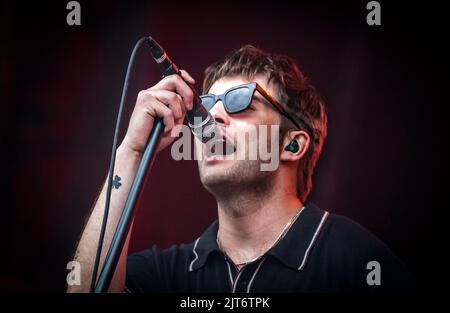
{"type": "Point", "coordinates": [238, 185]}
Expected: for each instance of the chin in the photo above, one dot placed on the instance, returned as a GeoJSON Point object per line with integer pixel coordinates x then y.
{"type": "Point", "coordinates": [230, 175]}
{"type": "Point", "coordinates": [217, 174]}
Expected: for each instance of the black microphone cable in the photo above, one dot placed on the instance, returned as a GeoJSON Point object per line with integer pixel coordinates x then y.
{"type": "Point", "coordinates": [205, 129]}
{"type": "Point", "coordinates": [113, 161]}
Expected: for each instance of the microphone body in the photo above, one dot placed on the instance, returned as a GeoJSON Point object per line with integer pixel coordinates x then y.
{"type": "Point", "coordinates": [202, 124]}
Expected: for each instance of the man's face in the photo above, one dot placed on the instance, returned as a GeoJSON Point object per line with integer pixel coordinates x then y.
{"type": "Point", "coordinates": [223, 175]}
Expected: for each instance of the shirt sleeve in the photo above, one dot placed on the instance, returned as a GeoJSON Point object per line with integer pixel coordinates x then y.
{"type": "Point", "coordinates": [363, 263]}
{"type": "Point", "coordinates": [144, 272]}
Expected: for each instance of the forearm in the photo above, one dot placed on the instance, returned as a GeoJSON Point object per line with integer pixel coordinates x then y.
{"type": "Point", "coordinates": [168, 100]}
{"type": "Point", "coordinates": [127, 162]}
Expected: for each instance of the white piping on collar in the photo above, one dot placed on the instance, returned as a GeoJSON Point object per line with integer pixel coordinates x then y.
{"type": "Point", "coordinates": [196, 255]}
{"type": "Point", "coordinates": [229, 273]}
{"type": "Point", "coordinates": [313, 240]}
{"type": "Point", "coordinates": [254, 275]}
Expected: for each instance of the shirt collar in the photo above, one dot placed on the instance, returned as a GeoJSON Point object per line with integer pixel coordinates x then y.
{"type": "Point", "coordinates": [295, 248]}
{"type": "Point", "coordinates": [292, 250]}
{"type": "Point", "coordinates": [204, 245]}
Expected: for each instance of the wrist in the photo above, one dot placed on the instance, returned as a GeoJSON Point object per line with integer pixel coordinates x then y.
{"type": "Point", "coordinates": [127, 152]}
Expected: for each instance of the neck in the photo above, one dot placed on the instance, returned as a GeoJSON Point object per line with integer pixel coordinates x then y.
{"type": "Point", "coordinates": [249, 224]}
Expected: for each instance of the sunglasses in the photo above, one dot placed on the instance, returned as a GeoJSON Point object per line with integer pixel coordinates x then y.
{"type": "Point", "coordinates": [239, 98]}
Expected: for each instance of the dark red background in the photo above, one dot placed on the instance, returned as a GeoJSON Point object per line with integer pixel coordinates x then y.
{"type": "Point", "coordinates": [60, 91]}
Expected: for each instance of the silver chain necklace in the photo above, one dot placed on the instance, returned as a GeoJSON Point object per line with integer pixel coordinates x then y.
{"type": "Point", "coordinates": [283, 233]}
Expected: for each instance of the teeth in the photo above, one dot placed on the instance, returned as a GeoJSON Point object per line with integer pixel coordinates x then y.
{"type": "Point", "coordinates": [211, 150]}
{"type": "Point", "coordinates": [224, 142]}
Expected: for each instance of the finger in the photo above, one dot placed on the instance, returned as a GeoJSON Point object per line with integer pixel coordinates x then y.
{"type": "Point", "coordinates": [179, 121]}
{"type": "Point", "coordinates": [186, 76]}
{"type": "Point", "coordinates": [156, 108]}
{"type": "Point", "coordinates": [176, 84]}
{"type": "Point", "coordinates": [172, 100]}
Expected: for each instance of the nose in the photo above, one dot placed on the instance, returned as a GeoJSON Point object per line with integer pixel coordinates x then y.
{"type": "Point", "coordinates": [220, 115]}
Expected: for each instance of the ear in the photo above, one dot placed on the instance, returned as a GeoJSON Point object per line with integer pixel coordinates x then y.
{"type": "Point", "coordinates": [303, 141]}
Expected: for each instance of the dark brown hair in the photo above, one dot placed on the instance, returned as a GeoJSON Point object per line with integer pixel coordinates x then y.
{"type": "Point", "coordinates": [294, 92]}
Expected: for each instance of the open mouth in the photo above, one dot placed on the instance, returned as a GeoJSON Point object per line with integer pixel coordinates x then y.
{"type": "Point", "coordinates": [219, 149]}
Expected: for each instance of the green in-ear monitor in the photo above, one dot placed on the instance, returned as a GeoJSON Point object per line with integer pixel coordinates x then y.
{"type": "Point", "coordinates": [293, 146]}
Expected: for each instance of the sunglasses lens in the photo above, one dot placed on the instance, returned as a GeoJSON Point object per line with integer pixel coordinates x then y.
{"type": "Point", "coordinates": [207, 102]}
{"type": "Point", "coordinates": [238, 99]}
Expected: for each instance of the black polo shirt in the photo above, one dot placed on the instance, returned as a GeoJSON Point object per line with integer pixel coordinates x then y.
{"type": "Point", "coordinates": [321, 252]}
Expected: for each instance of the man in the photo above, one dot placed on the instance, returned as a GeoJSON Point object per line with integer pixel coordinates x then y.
{"type": "Point", "coordinates": [266, 238]}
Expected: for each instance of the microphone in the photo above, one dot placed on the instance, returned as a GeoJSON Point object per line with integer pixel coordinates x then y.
{"type": "Point", "coordinates": [202, 124]}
